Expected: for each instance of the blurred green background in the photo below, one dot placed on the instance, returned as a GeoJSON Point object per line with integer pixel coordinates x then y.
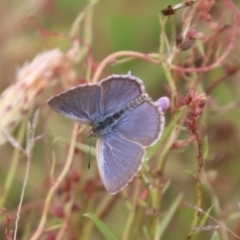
{"type": "Point", "coordinates": [117, 26]}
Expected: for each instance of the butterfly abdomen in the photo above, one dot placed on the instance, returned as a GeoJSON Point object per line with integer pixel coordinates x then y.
{"type": "Point", "coordinates": [136, 102]}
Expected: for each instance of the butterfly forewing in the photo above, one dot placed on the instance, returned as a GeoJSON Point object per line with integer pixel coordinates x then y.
{"type": "Point", "coordinates": [80, 104]}
{"type": "Point", "coordinates": [118, 161]}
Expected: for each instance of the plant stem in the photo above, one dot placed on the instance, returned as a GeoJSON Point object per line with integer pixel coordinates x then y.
{"type": "Point", "coordinates": [14, 165]}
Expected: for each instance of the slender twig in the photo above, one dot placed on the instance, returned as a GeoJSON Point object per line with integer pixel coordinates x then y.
{"type": "Point", "coordinates": [198, 180]}
{"type": "Point", "coordinates": [68, 210]}
{"type": "Point", "coordinates": [132, 212]}
{"type": "Point", "coordinates": [212, 86]}
{"type": "Point", "coordinates": [217, 63]}
{"type": "Point", "coordinates": [234, 9]}
{"type": "Point", "coordinates": [111, 58]}
{"type": "Point", "coordinates": [27, 207]}
{"type": "Point", "coordinates": [30, 142]}
{"type": "Point", "coordinates": [199, 210]}
{"type": "Point", "coordinates": [55, 186]}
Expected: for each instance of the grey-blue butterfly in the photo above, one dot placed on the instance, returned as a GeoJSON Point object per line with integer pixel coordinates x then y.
{"type": "Point", "coordinates": [124, 118]}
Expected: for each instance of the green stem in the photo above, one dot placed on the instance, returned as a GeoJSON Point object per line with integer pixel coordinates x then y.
{"type": "Point", "coordinates": [14, 165]}
{"type": "Point", "coordinates": [132, 213]}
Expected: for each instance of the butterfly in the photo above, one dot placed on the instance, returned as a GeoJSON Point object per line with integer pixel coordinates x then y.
{"type": "Point", "coordinates": [122, 116]}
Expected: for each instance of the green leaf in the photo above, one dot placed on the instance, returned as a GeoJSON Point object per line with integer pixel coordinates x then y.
{"type": "Point", "coordinates": [166, 186]}
{"type": "Point", "coordinates": [203, 221]}
{"type": "Point", "coordinates": [205, 147]}
{"type": "Point", "coordinates": [215, 236]}
{"type": "Point", "coordinates": [190, 173]}
{"type": "Point", "coordinates": [83, 147]}
{"type": "Point", "coordinates": [108, 235]}
{"type": "Point", "coordinates": [168, 217]}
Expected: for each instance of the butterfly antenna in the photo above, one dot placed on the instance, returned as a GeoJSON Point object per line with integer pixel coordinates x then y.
{"type": "Point", "coordinates": [89, 154]}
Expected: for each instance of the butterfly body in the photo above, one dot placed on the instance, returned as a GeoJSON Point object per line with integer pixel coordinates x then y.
{"type": "Point", "coordinates": [124, 118]}
{"type": "Point", "coordinates": [106, 123]}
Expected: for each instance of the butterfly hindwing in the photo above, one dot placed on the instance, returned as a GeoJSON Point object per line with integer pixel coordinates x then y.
{"type": "Point", "coordinates": [118, 161]}
{"type": "Point", "coordinates": [118, 91]}
{"type": "Point", "coordinates": [144, 124]}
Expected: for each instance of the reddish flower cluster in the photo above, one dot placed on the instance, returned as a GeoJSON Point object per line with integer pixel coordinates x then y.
{"type": "Point", "coordinates": [196, 102]}
{"type": "Point", "coordinates": [204, 8]}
